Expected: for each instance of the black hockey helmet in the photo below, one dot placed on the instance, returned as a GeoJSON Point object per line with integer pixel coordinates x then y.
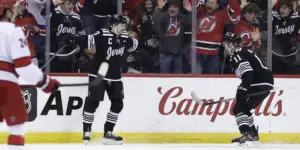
{"type": "Point", "coordinates": [230, 42]}
{"type": "Point", "coordinates": [232, 38]}
{"type": "Point", "coordinates": [116, 19]}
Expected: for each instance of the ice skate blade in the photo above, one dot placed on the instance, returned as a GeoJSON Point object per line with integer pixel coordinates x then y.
{"type": "Point", "coordinates": [247, 144]}
{"type": "Point", "coordinates": [85, 142]}
{"type": "Point", "coordinates": [106, 141]}
{"type": "Point", "coordinates": [256, 143]}
{"type": "Point", "coordinates": [236, 144]}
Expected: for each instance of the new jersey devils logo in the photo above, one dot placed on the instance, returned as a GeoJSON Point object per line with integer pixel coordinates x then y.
{"type": "Point", "coordinates": [173, 29]}
{"type": "Point", "coordinates": [207, 24]}
{"type": "Point", "coordinates": [246, 38]}
{"type": "Point", "coordinates": [27, 96]}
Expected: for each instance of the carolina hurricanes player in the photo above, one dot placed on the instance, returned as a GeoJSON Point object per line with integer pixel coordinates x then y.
{"type": "Point", "coordinates": [15, 61]}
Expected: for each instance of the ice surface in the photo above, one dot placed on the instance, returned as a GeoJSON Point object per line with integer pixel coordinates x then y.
{"type": "Point", "coordinates": [155, 147]}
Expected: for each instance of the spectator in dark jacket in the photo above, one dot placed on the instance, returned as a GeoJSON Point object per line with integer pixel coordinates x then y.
{"type": "Point", "coordinates": [171, 25]}
{"type": "Point", "coordinates": [148, 46]}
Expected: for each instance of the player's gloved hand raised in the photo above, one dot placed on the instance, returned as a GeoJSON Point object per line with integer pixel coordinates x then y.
{"type": "Point", "coordinates": [241, 94]}
{"type": "Point", "coordinates": [48, 85]}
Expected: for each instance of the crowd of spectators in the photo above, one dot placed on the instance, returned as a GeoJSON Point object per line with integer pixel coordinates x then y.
{"type": "Point", "coordinates": [163, 28]}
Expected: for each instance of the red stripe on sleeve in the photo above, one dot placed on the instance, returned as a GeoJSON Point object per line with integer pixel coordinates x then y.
{"type": "Point", "coordinates": [22, 62]}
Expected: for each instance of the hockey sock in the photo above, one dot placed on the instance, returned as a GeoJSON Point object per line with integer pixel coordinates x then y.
{"type": "Point", "coordinates": [111, 121]}
{"type": "Point", "coordinates": [242, 122]}
{"type": "Point", "coordinates": [89, 110]}
{"type": "Point", "coordinates": [251, 123]}
{"type": "Point", "coordinates": [88, 119]}
{"type": "Point", "coordinates": [16, 138]}
{"type": "Point", "coordinates": [112, 117]}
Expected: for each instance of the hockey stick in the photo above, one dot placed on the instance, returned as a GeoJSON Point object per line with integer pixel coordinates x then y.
{"type": "Point", "coordinates": [49, 61]}
{"type": "Point", "coordinates": [199, 100]}
{"type": "Point", "coordinates": [101, 74]}
{"type": "Point", "coordinates": [57, 54]}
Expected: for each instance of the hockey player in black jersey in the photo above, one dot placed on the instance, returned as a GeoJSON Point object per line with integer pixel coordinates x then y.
{"type": "Point", "coordinates": [109, 45]}
{"type": "Point", "coordinates": [255, 78]}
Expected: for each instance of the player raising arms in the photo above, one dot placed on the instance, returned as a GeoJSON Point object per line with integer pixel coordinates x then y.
{"type": "Point", "coordinates": [109, 46]}
{"type": "Point", "coordinates": [15, 61]}
{"type": "Point", "coordinates": [255, 78]}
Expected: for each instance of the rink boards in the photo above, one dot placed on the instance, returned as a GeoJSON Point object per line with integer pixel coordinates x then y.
{"type": "Point", "coordinates": [160, 110]}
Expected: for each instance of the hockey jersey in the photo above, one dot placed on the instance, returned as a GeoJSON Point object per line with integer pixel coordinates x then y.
{"type": "Point", "coordinates": [248, 67]}
{"type": "Point", "coordinates": [285, 30]}
{"type": "Point", "coordinates": [210, 27]}
{"type": "Point", "coordinates": [63, 24]}
{"type": "Point", "coordinates": [35, 7]}
{"type": "Point", "coordinates": [244, 29]}
{"type": "Point", "coordinates": [110, 48]}
{"type": "Point", "coordinates": [25, 21]}
{"type": "Point", "coordinates": [15, 57]}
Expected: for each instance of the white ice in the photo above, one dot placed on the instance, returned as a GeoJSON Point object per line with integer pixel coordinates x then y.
{"type": "Point", "coordinates": [155, 147]}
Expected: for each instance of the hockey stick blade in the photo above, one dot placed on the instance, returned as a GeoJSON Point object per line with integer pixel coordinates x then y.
{"type": "Point", "coordinates": [101, 74]}
{"type": "Point", "coordinates": [196, 98]}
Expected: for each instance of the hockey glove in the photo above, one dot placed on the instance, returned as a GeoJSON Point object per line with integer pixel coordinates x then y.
{"type": "Point", "coordinates": [48, 85]}
{"type": "Point", "coordinates": [241, 94]}
{"type": "Point", "coordinates": [68, 39]}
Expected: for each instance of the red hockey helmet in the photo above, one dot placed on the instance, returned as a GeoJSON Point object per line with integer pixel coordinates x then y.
{"type": "Point", "coordinates": [5, 5]}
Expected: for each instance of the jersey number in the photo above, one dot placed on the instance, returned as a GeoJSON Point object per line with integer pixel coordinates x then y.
{"type": "Point", "coordinates": [237, 58]}
{"type": "Point", "coordinates": [23, 42]}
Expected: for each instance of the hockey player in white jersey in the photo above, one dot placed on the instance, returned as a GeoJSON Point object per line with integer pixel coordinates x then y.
{"type": "Point", "coordinates": [15, 61]}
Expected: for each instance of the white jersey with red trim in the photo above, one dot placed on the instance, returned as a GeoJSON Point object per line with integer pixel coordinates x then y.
{"type": "Point", "coordinates": [15, 57]}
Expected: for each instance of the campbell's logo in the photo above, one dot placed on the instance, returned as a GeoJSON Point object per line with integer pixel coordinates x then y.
{"type": "Point", "coordinates": [187, 106]}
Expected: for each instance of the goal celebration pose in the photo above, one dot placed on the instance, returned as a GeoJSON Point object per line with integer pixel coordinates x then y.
{"type": "Point", "coordinates": [255, 78]}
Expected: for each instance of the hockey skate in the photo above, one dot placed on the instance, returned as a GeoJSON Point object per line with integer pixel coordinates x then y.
{"type": "Point", "coordinates": [255, 137]}
{"type": "Point", "coordinates": [111, 139]}
{"type": "Point", "coordinates": [86, 137]}
{"type": "Point", "coordinates": [246, 140]}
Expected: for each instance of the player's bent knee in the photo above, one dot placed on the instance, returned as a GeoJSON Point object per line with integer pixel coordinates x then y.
{"type": "Point", "coordinates": [91, 105]}
{"type": "Point", "coordinates": [236, 109]}
{"type": "Point", "coordinates": [116, 105]}
{"type": "Point", "coordinates": [241, 108]}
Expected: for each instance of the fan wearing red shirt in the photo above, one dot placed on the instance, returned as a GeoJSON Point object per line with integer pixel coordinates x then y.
{"type": "Point", "coordinates": [210, 31]}
{"type": "Point", "coordinates": [247, 27]}
{"type": "Point", "coordinates": [27, 22]}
